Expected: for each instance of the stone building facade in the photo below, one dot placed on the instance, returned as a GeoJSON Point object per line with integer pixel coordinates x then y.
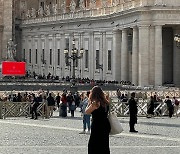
{"type": "Point", "coordinates": [129, 40]}
{"type": "Point", "coordinates": [5, 26]}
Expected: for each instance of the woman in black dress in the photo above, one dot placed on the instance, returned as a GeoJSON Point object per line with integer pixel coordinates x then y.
{"type": "Point", "coordinates": [98, 106]}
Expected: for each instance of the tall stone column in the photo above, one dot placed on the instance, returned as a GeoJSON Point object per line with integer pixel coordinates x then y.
{"type": "Point", "coordinates": [7, 22]}
{"type": "Point", "coordinates": [124, 56]}
{"type": "Point", "coordinates": [152, 55]}
{"type": "Point", "coordinates": [91, 55]}
{"type": "Point", "coordinates": [135, 56]}
{"type": "Point", "coordinates": [104, 56]}
{"type": "Point", "coordinates": [117, 39]}
{"type": "Point", "coordinates": [62, 58]}
{"type": "Point", "coordinates": [143, 55]}
{"type": "Point", "coordinates": [158, 55]}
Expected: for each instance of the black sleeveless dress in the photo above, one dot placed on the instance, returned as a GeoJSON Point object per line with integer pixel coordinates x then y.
{"type": "Point", "coordinates": [100, 129]}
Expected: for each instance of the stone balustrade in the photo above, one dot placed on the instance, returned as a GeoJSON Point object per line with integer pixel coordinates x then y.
{"type": "Point", "coordinates": [95, 12]}
{"type": "Point", "coordinates": [85, 13]}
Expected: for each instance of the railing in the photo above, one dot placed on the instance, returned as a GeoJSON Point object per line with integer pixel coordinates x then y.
{"type": "Point", "coordinates": [122, 108]}
{"type": "Point", "coordinates": [94, 12]}
{"type": "Point", "coordinates": [18, 109]}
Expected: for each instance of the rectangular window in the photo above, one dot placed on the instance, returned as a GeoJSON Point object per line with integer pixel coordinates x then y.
{"type": "Point", "coordinates": [24, 54]}
{"type": "Point", "coordinates": [130, 42]}
{"type": "Point", "coordinates": [76, 61]}
{"type": "Point", "coordinates": [97, 59]}
{"type": "Point", "coordinates": [29, 55]}
{"type": "Point", "coordinates": [58, 58]}
{"type": "Point", "coordinates": [86, 59]}
{"type": "Point", "coordinates": [67, 43]}
{"type": "Point", "coordinates": [50, 57]}
{"type": "Point", "coordinates": [43, 55]}
{"type": "Point", "coordinates": [36, 56]}
{"type": "Point", "coordinates": [109, 60]}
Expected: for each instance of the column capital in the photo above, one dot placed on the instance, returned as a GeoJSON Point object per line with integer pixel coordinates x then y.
{"type": "Point", "coordinates": [116, 31]}
{"type": "Point", "coordinates": [143, 26]}
{"type": "Point", "coordinates": [158, 26]}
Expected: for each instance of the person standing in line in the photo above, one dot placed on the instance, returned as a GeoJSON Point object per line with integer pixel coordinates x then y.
{"type": "Point", "coordinates": [86, 117]}
{"type": "Point", "coordinates": [150, 108]}
{"type": "Point", "coordinates": [133, 112]}
{"type": "Point", "coordinates": [98, 106]}
{"type": "Point", "coordinates": [58, 99]}
{"type": "Point", "coordinates": [63, 106]}
{"type": "Point", "coordinates": [34, 107]}
{"type": "Point", "coordinates": [169, 106]}
{"type": "Point", "coordinates": [51, 104]}
{"type": "Point", "coordinates": [176, 106]}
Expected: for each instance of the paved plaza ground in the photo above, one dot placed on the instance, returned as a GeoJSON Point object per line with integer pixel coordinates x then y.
{"type": "Point", "coordinates": [61, 136]}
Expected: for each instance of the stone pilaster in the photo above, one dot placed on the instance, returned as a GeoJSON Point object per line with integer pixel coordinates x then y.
{"type": "Point", "coordinates": [116, 56]}
{"type": "Point", "coordinates": [7, 22]}
{"type": "Point", "coordinates": [158, 55]}
{"type": "Point", "coordinates": [143, 55]}
{"type": "Point", "coordinates": [62, 58]}
{"type": "Point", "coordinates": [91, 55]}
{"type": "Point", "coordinates": [104, 56]}
{"type": "Point", "coordinates": [135, 57]}
{"type": "Point", "coordinates": [124, 56]}
{"type": "Point", "coordinates": [152, 55]}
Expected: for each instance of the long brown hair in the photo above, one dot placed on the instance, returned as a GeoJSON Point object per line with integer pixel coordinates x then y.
{"type": "Point", "coordinates": [97, 95]}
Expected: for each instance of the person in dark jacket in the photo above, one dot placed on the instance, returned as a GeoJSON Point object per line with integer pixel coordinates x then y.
{"type": "Point", "coordinates": [51, 104]}
{"type": "Point", "coordinates": [34, 107]}
{"type": "Point", "coordinates": [150, 109]}
{"type": "Point", "coordinates": [169, 106]}
{"type": "Point", "coordinates": [133, 112]}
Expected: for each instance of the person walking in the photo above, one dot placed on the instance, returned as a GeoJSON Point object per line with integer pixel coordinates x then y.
{"type": "Point", "coordinates": [132, 112]}
{"type": "Point", "coordinates": [98, 106]}
{"type": "Point", "coordinates": [86, 117]}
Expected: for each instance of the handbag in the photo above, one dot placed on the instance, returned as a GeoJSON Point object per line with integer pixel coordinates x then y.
{"type": "Point", "coordinates": [116, 127]}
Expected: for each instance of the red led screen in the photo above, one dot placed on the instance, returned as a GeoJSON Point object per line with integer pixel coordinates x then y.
{"type": "Point", "coordinates": [10, 68]}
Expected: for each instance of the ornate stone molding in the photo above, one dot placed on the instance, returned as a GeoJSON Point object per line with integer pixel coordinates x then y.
{"type": "Point", "coordinates": [81, 5]}
{"type": "Point", "coordinates": [72, 6]}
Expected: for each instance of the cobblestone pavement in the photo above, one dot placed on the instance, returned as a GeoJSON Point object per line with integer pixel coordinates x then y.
{"type": "Point", "coordinates": [61, 136]}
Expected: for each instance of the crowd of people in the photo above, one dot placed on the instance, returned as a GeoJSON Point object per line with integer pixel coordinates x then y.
{"type": "Point", "coordinates": [154, 104]}
{"type": "Point", "coordinates": [95, 106]}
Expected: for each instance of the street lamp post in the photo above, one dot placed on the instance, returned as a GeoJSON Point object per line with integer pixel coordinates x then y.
{"type": "Point", "coordinates": [74, 56]}
{"type": "Point", "coordinates": [177, 40]}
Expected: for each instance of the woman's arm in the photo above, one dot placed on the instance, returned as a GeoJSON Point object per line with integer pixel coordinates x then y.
{"type": "Point", "coordinates": [91, 107]}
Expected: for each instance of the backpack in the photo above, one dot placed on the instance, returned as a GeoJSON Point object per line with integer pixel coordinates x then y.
{"type": "Point", "coordinates": [176, 102]}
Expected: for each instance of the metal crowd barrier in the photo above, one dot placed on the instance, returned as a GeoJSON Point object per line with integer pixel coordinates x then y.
{"type": "Point", "coordinates": [18, 109]}
{"type": "Point", "coordinates": [122, 108]}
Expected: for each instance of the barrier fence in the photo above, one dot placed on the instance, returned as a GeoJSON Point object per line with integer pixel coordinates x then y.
{"type": "Point", "coordinates": [17, 109]}
{"type": "Point", "coordinates": [122, 108]}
